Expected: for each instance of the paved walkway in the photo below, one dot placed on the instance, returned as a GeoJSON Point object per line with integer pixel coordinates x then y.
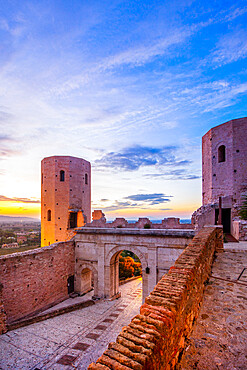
{"type": "Point", "coordinates": [219, 338]}
{"type": "Point", "coordinates": [72, 340]}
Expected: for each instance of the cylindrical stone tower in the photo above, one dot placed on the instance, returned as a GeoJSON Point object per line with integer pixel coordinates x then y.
{"type": "Point", "coordinates": [224, 162]}
{"type": "Point", "coordinates": [65, 197]}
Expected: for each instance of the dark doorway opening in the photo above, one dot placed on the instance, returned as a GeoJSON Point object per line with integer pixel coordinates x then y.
{"type": "Point", "coordinates": [70, 284]}
{"type": "Point", "coordinates": [226, 219]}
{"type": "Point", "coordinates": [72, 220]}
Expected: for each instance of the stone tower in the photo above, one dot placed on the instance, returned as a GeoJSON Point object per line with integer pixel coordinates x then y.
{"type": "Point", "coordinates": [65, 197]}
{"type": "Point", "coordinates": [224, 174]}
{"type": "Point", "coordinates": [224, 162]}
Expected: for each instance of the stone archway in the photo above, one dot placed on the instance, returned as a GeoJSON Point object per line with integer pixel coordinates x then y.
{"type": "Point", "coordinates": [112, 270]}
{"type": "Point", "coordinates": [83, 279]}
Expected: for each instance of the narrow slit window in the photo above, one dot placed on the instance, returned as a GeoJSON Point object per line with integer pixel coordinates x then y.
{"type": "Point", "coordinates": [49, 215]}
{"type": "Point", "coordinates": [62, 175]}
{"type": "Point", "coordinates": [222, 154]}
{"type": "Point", "coordinates": [86, 178]}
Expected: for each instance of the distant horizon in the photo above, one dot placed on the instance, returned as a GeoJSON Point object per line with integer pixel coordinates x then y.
{"type": "Point", "coordinates": [108, 220]}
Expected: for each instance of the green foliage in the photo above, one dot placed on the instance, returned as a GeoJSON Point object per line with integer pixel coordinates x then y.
{"type": "Point", "coordinates": [147, 226]}
{"type": "Point", "coordinates": [128, 267]}
{"type": "Point", "coordinates": [243, 208]}
{"type": "Point", "coordinates": [7, 236]}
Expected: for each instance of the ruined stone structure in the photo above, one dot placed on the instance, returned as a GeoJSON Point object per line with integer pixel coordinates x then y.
{"type": "Point", "coordinates": [97, 253]}
{"type": "Point", "coordinates": [65, 197]}
{"type": "Point", "coordinates": [224, 174]}
{"type": "Point", "coordinates": [99, 220]}
{"type": "Point", "coordinates": [155, 338]}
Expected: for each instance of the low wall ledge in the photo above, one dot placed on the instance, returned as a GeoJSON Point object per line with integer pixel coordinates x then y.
{"type": "Point", "coordinates": [186, 233]}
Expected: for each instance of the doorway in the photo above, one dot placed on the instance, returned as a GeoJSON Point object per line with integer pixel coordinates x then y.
{"type": "Point", "coordinates": [71, 284]}
{"type": "Point", "coordinates": [226, 219]}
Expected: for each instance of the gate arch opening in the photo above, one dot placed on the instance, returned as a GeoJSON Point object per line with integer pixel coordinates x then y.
{"type": "Point", "coordinates": [133, 267]}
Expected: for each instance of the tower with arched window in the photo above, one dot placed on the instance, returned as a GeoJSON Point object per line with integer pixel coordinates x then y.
{"type": "Point", "coordinates": [224, 173]}
{"type": "Point", "coordinates": [65, 197]}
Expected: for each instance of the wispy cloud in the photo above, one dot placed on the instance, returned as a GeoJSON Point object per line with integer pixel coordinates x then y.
{"type": "Point", "coordinates": [6, 152]}
{"type": "Point", "coordinates": [230, 48]}
{"type": "Point", "coordinates": [6, 138]}
{"type": "Point", "coordinates": [174, 175]}
{"type": "Point", "coordinates": [140, 201]}
{"type": "Point", "coordinates": [134, 157]}
{"type": "Point", "coordinates": [155, 198]}
{"type": "Point", "coordinates": [19, 200]}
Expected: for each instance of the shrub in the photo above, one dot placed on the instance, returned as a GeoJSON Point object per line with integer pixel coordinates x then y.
{"type": "Point", "coordinates": [243, 208]}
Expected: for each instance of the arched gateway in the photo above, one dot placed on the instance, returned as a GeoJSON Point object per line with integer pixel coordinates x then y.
{"type": "Point", "coordinates": [97, 253]}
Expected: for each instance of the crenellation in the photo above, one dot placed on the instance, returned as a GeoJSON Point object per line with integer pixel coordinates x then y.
{"type": "Point", "coordinates": [100, 221]}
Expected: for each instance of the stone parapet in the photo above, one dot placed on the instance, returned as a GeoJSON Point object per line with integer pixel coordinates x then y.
{"type": "Point", "coordinates": [36, 279]}
{"type": "Point", "coordinates": [145, 232]}
{"type": "Point", "coordinates": [99, 220]}
{"type": "Point", "coordinates": [155, 338]}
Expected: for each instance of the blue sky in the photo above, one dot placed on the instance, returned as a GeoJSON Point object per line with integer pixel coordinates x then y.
{"type": "Point", "coordinates": [129, 86]}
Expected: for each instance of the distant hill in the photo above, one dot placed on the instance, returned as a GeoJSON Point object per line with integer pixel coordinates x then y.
{"type": "Point", "coordinates": [11, 219]}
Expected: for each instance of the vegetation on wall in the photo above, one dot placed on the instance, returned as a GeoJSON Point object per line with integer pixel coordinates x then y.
{"type": "Point", "coordinates": [129, 265]}
{"type": "Point", "coordinates": [243, 208]}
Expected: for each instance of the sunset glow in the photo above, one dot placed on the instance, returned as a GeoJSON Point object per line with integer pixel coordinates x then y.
{"type": "Point", "coordinates": [129, 86]}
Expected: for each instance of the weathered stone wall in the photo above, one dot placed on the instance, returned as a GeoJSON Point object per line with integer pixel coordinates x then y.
{"type": "Point", "coordinates": [2, 313]}
{"type": "Point", "coordinates": [226, 178]}
{"type": "Point", "coordinates": [98, 249]}
{"type": "Point", "coordinates": [239, 230]}
{"type": "Point", "coordinates": [99, 220]}
{"type": "Point", "coordinates": [155, 338]}
{"type": "Point", "coordinates": [35, 279]}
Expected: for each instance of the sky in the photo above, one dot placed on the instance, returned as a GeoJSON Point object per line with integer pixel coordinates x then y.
{"type": "Point", "coordinates": [130, 86]}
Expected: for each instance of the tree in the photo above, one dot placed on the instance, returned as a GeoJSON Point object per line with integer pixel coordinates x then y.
{"type": "Point", "coordinates": [128, 267]}
{"type": "Point", "coordinates": [243, 208]}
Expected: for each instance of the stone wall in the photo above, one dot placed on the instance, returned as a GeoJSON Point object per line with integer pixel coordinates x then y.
{"type": "Point", "coordinates": [2, 313]}
{"type": "Point", "coordinates": [239, 230]}
{"type": "Point", "coordinates": [98, 249]}
{"type": "Point", "coordinates": [35, 279]}
{"type": "Point", "coordinates": [155, 338]}
{"type": "Point", "coordinates": [99, 220]}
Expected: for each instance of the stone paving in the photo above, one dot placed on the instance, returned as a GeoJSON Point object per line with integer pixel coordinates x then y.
{"type": "Point", "coordinates": [72, 340]}
{"type": "Point", "coordinates": [219, 337]}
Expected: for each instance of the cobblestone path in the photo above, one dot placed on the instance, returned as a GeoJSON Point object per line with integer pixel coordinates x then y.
{"type": "Point", "coordinates": [219, 338]}
{"type": "Point", "coordinates": [71, 340]}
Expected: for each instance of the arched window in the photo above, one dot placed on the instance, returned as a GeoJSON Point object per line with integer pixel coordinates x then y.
{"type": "Point", "coordinates": [49, 215]}
{"type": "Point", "coordinates": [86, 178]}
{"type": "Point", "coordinates": [62, 173]}
{"type": "Point", "coordinates": [221, 153]}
